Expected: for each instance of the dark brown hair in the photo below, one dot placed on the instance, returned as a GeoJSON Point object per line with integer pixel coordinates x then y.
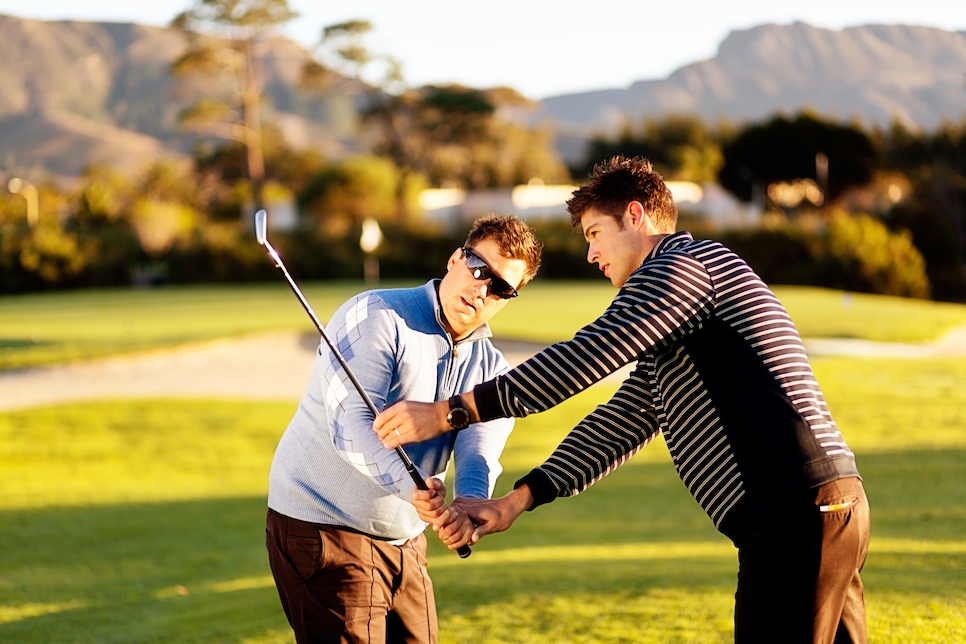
{"type": "Point", "coordinates": [514, 237]}
{"type": "Point", "coordinates": [616, 182]}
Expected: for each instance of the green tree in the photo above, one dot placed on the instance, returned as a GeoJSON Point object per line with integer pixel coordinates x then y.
{"type": "Point", "coordinates": [866, 256]}
{"type": "Point", "coordinates": [103, 200]}
{"type": "Point", "coordinates": [838, 250]}
{"type": "Point", "coordinates": [451, 134]}
{"type": "Point", "coordinates": [464, 137]}
{"type": "Point", "coordinates": [222, 171]}
{"type": "Point", "coordinates": [682, 148]}
{"type": "Point", "coordinates": [226, 46]}
{"type": "Point", "coordinates": [935, 210]}
{"type": "Point", "coordinates": [343, 57]}
{"type": "Point", "coordinates": [345, 193]}
{"type": "Point", "coordinates": [38, 254]}
{"type": "Point", "coordinates": [491, 148]}
{"type": "Point", "coordinates": [836, 157]}
{"type": "Point", "coordinates": [166, 209]}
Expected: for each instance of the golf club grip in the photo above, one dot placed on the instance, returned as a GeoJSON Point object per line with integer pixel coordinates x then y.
{"type": "Point", "coordinates": [462, 551]}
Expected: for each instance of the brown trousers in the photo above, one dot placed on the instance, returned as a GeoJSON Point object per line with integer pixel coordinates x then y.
{"type": "Point", "coordinates": [340, 586]}
{"type": "Point", "coordinates": [798, 569]}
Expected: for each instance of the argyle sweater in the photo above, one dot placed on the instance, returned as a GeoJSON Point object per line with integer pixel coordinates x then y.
{"type": "Point", "coordinates": [330, 466]}
{"type": "Point", "coordinates": [720, 371]}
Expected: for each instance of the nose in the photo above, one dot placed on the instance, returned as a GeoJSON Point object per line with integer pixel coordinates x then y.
{"type": "Point", "coordinates": [592, 254]}
{"type": "Point", "coordinates": [481, 287]}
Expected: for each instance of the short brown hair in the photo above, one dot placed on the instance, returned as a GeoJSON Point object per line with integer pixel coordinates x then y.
{"type": "Point", "coordinates": [616, 182]}
{"type": "Point", "coordinates": [514, 237]}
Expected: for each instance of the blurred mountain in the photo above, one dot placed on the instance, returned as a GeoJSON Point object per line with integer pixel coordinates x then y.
{"type": "Point", "coordinates": [74, 93]}
{"type": "Point", "coordinates": [876, 74]}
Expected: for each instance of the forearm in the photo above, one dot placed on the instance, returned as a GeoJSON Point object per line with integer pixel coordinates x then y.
{"type": "Point", "coordinates": [519, 501]}
{"type": "Point", "coordinates": [476, 457]}
{"type": "Point", "coordinates": [496, 515]}
{"type": "Point", "coordinates": [601, 442]}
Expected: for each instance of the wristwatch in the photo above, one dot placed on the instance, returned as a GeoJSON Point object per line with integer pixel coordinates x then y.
{"type": "Point", "coordinates": [458, 417]}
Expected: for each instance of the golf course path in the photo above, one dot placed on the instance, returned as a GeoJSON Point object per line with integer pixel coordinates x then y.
{"type": "Point", "coordinates": [272, 366]}
{"type": "Point", "coordinates": [276, 366]}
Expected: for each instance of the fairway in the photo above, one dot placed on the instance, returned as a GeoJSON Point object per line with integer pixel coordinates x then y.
{"type": "Point", "coordinates": [143, 520]}
{"type": "Point", "coordinates": [52, 328]}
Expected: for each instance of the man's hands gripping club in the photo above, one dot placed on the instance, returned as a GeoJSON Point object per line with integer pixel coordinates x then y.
{"type": "Point", "coordinates": [467, 520]}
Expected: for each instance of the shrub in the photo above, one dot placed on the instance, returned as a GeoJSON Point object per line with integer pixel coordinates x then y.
{"type": "Point", "coordinates": [850, 252]}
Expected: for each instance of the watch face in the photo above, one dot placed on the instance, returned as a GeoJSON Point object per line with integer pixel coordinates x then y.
{"type": "Point", "coordinates": [459, 418]}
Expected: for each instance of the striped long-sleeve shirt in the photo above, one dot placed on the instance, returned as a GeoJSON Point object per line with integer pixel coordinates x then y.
{"type": "Point", "coordinates": [721, 372]}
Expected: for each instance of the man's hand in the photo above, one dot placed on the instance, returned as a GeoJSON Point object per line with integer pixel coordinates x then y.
{"type": "Point", "coordinates": [431, 504]}
{"type": "Point", "coordinates": [451, 524]}
{"type": "Point", "coordinates": [411, 422]}
{"type": "Point", "coordinates": [495, 515]}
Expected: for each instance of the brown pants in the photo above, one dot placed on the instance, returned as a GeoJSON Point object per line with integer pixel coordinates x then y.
{"type": "Point", "coordinates": [341, 586]}
{"type": "Point", "coordinates": [798, 569]}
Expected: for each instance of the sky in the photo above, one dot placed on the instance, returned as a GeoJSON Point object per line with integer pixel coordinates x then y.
{"type": "Point", "coordinates": [537, 47]}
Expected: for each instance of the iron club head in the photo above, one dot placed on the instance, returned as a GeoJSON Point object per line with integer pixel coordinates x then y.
{"type": "Point", "coordinates": [261, 227]}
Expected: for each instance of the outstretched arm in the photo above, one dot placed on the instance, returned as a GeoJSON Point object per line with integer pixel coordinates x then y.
{"type": "Point", "coordinates": [653, 307]}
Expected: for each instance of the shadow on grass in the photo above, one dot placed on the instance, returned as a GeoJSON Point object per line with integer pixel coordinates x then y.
{"type": "Point", "coordinates": [191, 571]}
{"type": "Point", "coordinates": [196, 571]}
{"type": "Point", "coordinates": [19, 343]}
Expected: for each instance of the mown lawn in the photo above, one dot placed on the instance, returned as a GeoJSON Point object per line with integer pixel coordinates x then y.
{"type": "Point", "coordinates": [142, 521]}
{"type": "Point", "coordinates": [51, 328]}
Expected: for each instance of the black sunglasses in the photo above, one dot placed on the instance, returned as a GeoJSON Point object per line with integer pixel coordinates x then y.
{"type": "Point", "coordinates": [482, 271]}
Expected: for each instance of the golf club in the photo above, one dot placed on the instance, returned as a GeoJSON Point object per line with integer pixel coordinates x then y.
{"type": "Point", "coordinates": [261, 234]}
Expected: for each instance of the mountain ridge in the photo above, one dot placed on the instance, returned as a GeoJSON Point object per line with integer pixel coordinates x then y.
{"type": "Point", "coordinates": [873, 73]}
{"type": "Point", "coordinates": [83, 92]}
{"type": "Point", "coordinates": [78, 93]}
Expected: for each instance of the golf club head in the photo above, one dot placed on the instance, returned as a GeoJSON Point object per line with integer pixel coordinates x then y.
{"type": "Point", "coordinates": [261, 227]}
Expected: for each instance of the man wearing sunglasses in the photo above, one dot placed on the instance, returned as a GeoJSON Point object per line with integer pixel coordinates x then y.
{"type": "Point", "coordinates": [345, 543]}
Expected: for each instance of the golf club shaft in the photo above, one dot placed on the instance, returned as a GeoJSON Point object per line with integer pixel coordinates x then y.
{"type": "Point", "coordinates": [463, 551]}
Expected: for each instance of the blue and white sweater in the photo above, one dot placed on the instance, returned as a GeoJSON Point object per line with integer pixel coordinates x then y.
{"type": "Point", "coordinates": [330, 466]}
{"type": "Point", "coordinates": [721, 372]}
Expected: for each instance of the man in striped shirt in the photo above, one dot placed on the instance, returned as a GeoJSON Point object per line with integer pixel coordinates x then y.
{"type": "Point", "coordinates": [722, 373]}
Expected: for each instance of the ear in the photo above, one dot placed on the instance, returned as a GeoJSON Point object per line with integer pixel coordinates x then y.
{"type": "Point", "coordinates": [454, 258]}
{"type": "Point", "coordinates": [638, 214]}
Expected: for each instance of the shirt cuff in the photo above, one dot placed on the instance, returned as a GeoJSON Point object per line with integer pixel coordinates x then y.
{"type": "Point", "coordinates": [487, 399]}
{"type": "Point", "coordinates": [541, 487]}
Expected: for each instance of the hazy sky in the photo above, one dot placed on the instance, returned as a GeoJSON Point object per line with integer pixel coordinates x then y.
{"type": "Point", "coordinates": [538, 47]}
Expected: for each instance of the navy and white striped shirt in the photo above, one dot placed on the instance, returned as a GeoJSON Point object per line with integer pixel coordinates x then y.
{"type": "Point", "coordinates": [721, 372]}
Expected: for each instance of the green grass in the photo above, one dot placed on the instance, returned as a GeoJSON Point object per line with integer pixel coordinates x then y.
{"type": "Point", "coordinates": [52, 328]}
{"type": "Point", "coordinates": [833, 314]}
{"type": "Point", "coordinates": [60, 327]}
{"type": "Point", "coordinates": [142, 521]}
